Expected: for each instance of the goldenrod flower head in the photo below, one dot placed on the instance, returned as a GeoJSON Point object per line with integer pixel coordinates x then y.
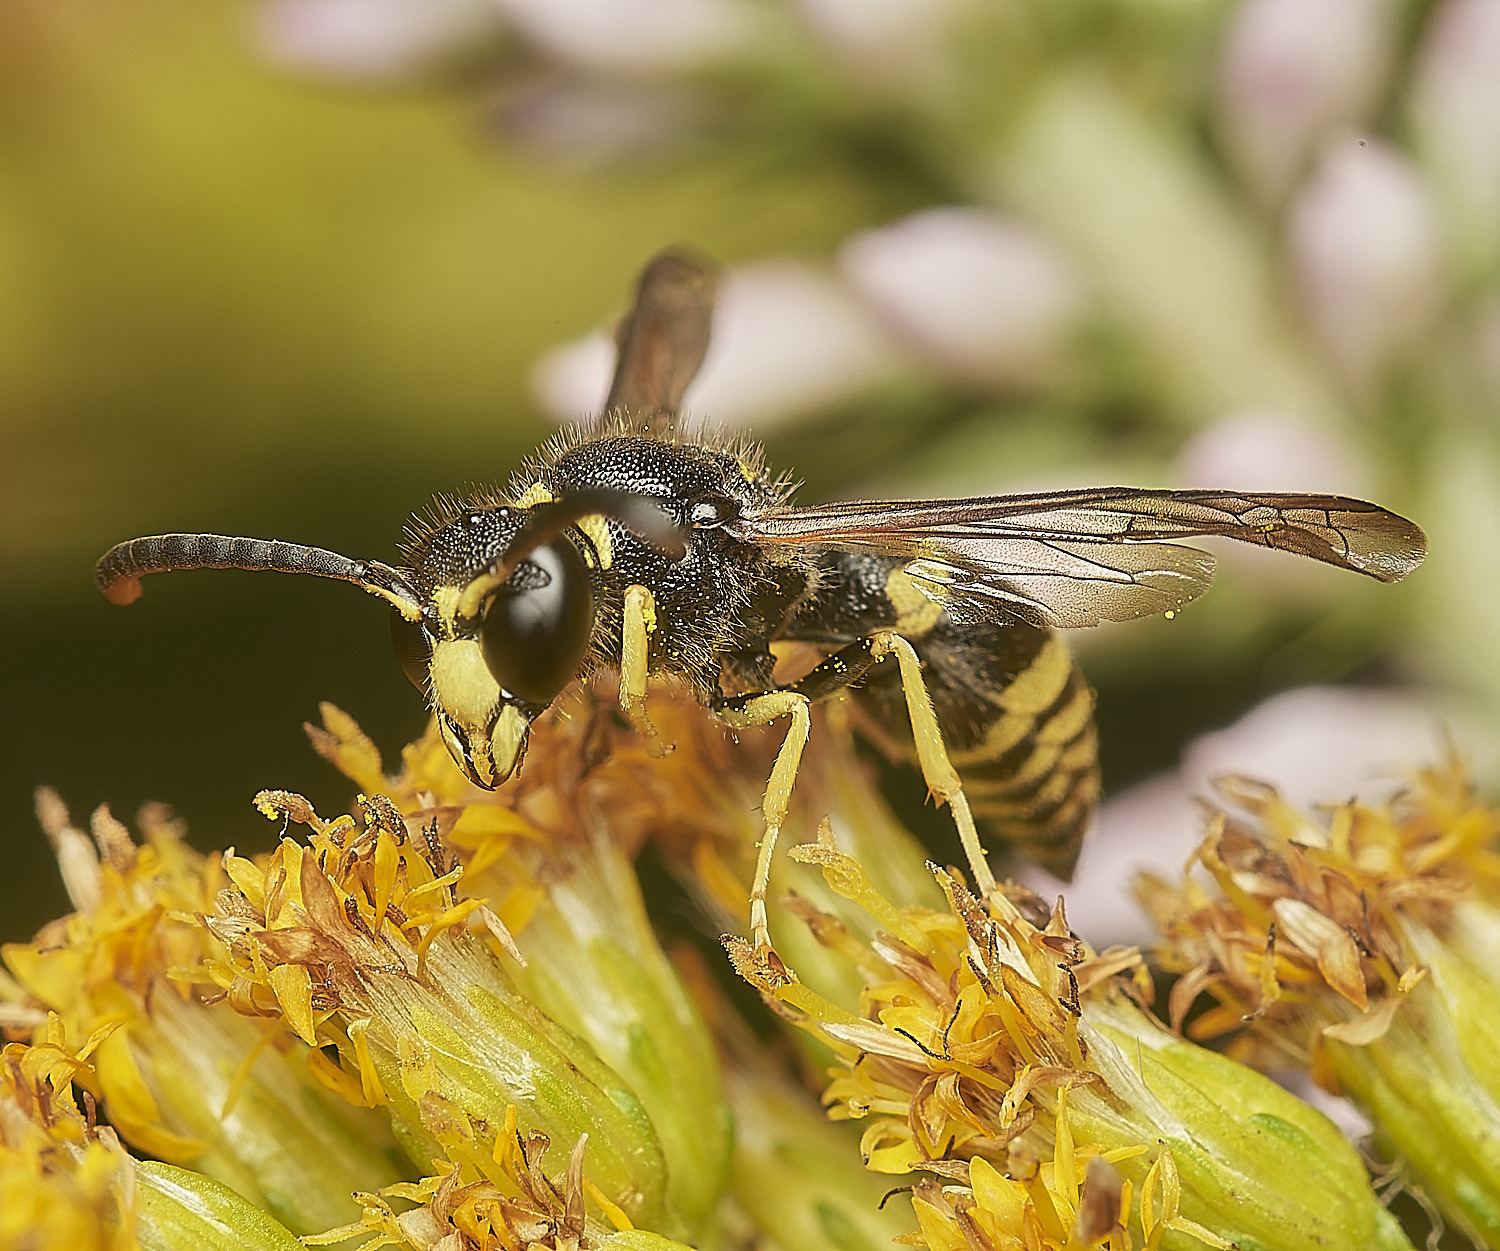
{"type": "Point", "coordinates": [62, 1180]}
{"type": "Point", "coordinates": [1003, 1056]}
{"type": "Point", "coordinates": [1310, 931]}
{"type": "Point", "coordinates": [551, 850]}
{"type": "Point", "coordinates": [358, 939]}
{"type": "Point", "coordinates": [1361, 947]}
{"type": "Point", "coordinates": [475, 974]}
{"type": "Point", "coordinates": [66, 1183]}
{"type": "Point", "coordinates": [500, 1200]}
{"type": "Point", "coordinates": [182, 1078]}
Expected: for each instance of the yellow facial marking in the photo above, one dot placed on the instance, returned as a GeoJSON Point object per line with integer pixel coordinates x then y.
{"type": "Point", "coordinates": [446, 598]}
{"type": "Point", "coordinates": [463, 685]}
{"type": "Point", "coordinates": [476, 724]}
{"type": "Point", "coordinates": [456, 746]}
{"type": "Point", "coordinates": [915, 613]}
{"type": "Point", "coordinates": [506, 741]}
{"type": "Point", "coordinates": [597, 530]}
{"type": "Point", "coordinates": [535, 494]}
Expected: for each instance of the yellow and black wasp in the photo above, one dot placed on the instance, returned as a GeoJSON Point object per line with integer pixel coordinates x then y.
{"type": "Point", "coordinates": [629, 544]}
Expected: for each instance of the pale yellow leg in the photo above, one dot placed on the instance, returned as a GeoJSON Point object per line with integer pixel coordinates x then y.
{"type": "Point", "coordinates": [762, 710]}
{"type": "Point", "coordinates": [937, 770]}
{"type": "Point", "coordinates": [635, 652]}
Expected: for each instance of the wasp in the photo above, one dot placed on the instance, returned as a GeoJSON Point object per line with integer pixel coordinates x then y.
{"type": "Point", "coordinates": [629, 544]}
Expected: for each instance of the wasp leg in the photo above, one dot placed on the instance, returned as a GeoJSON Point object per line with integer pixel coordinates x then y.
{"type": "Point", "coordinates": [937, 770]}
{"type": "Point", "coordinates": [845, 666]}
{"type": "Point", "coordinates": [762, 710]}
{"type": "Point", "coordinates": [640, 621]}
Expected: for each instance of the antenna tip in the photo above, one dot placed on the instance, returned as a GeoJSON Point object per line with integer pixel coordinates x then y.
{"type": "Point", "coordinates": [122, 591]}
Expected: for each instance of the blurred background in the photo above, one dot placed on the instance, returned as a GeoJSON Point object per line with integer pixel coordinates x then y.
{"type": "Point", "coordinates": [288, 268]}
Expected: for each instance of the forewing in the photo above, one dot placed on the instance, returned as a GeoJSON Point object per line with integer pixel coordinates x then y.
{"type": "Point", "coordinates": [1080, 557]}
{"type": "Point", "coordinates": [1061, 583]}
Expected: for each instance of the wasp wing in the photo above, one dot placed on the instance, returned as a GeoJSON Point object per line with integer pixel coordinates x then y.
{"type": "Point", "coordinates": [664, 338]}
{"type": "Point", "coordinates": [1075, 558]}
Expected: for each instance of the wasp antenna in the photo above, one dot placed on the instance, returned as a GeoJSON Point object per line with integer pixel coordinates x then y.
{"type": "Point", "coordinates": [120, 570]}
{"type": "Point", "coordinates": [643, 516]}
{"type": "Point", "coordinates": [640, 514]}
{"type": "Point", "coordinates": [663, 339]}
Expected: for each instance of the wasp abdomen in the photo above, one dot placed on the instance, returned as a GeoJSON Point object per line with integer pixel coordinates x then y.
{"type": "Point", "coordinates": [1022, 736]}
{"type": "Point", "coordinates": [1015, 712]}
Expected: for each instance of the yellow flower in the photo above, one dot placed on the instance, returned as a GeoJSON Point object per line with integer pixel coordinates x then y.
{"type": "Point", "coordinates": [551, 850]}
{"type": "Point", "coordinates": [62, 1180]}
{"type": "Point", "coordinates": [998, 1054]}
{"type": "Point", "coordinates": [66, 1183]}
{"type": "Point", "coordinates": [181, 1077]}
{"type": "Point", "coordinates": [358, 940]}
{"type": "Point", "coordinates": [500, 1201]}
{"type": "Point", "coordinates": [474, 975]}
{"type": "Point", "coordinates": [1361, 948]}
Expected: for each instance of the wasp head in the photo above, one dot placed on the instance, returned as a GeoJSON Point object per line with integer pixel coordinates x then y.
{"type": "Point", "coordinates": [505, 626]}
{"type": "Point", "coordinates": [507, 618]}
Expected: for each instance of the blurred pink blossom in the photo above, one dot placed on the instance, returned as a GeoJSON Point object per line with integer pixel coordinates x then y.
{"type": "Point", "coordinates": [787, 337]}
{"type": "Point", "coordinates": [1365, 244]}
{"type": "Point", "coordinates": [988, 301]}
{"type": "Point", "coordinates": [371, 39]}
{"type": "Point", "coordinates": [1294, 71]}
{"type": "Point", "coordinates": [571, 381]}
{"type": "Point", "coordinates": [1455, 105]}
{"type": "Point", "coordinates": [633, 36]}
{"type": "Point", "coordinates": [589, 123]}
{"type": "Point", "coordinates": [1259, 450]}
{"type": "Point", "coordinates": [904, 38]}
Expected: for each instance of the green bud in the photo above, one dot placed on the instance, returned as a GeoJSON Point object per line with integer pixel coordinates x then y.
{"type": "Point", "coordinates": [179, 1210]}
{"type": "Point", "coordinates": [799, 1177]}
{"type": "Point", "coordinates": [453, 1055]}
{"type": "Point", "coordinates": [1431, 1085]}
{"type": "Point", "coordinates": [595, 965]}
{"type": "Point", "coordinates": [1255, 1164]}
{"type": "Point", "coordinates": [265, 1125]}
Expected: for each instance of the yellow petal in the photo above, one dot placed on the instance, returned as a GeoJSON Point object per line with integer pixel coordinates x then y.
{"type": "Point", "coordinates": [131, 1106]}
{"type": "Point", "coordinates": [293, 989]}
{"type": "Point", "coordinates": [1368, 1027]}
{"type": "Point", "coordinates": [1326, 941]}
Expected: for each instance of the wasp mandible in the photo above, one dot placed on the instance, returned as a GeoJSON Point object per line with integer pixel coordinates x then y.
{"type": "Point", "coordinates": [628, 543]}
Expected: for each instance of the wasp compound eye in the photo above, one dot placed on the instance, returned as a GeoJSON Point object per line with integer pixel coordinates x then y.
{"type": "Point", "coordinates": [536, 627]}
{"type": "Point", "coordinates": [413, 650]}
